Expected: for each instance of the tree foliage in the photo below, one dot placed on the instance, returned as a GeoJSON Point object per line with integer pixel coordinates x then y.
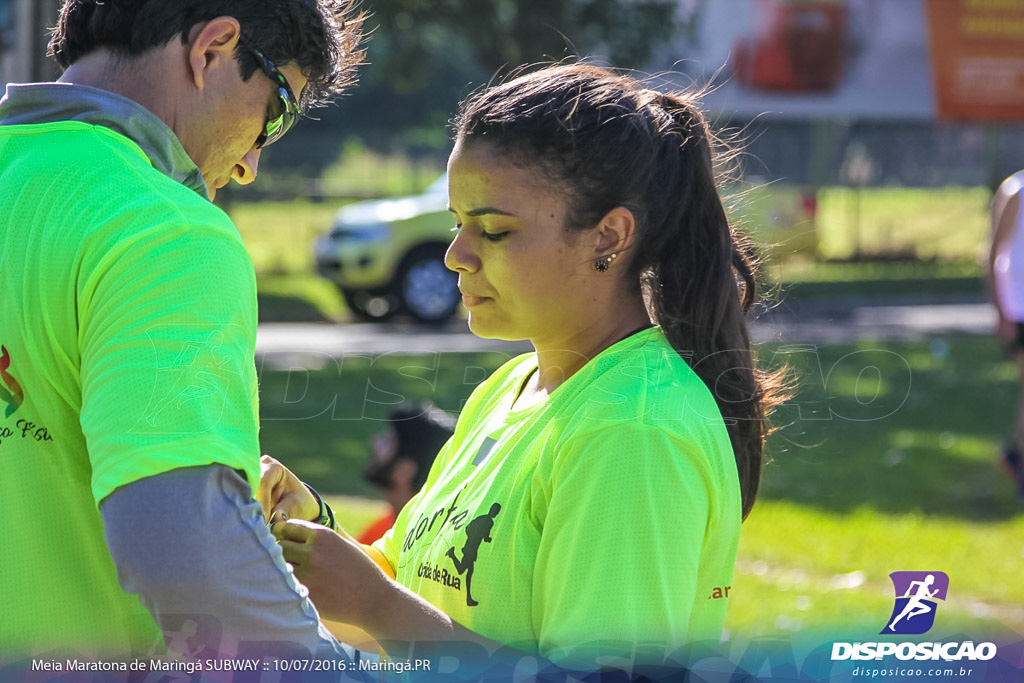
{"type": "Point", "coordinates": [502, 34]}
{"type": "Point", "coordinates": [426, 55]}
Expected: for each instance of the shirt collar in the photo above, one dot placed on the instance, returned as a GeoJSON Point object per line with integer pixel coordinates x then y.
{"type": "Point", "coordinates": [52, 102]}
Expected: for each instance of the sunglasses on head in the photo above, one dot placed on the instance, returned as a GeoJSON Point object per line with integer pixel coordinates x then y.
{"type": "Point", "coordinates": [283, 111]}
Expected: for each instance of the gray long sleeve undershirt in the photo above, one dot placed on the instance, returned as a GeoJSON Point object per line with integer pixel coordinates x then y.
{"type": "Point", "coordinates": [193, 545]}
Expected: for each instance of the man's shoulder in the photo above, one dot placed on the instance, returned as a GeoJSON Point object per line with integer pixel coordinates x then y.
{"type": "Point", "coordinates": [96, 156]}
{"type": "Point", "coordinates": [86, 180]}
{"type": "Point", "coordinates": [74, 142]}
{"type": "Point", "coordinates": [114, 180]}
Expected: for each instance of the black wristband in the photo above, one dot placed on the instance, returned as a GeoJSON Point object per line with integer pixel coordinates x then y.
{"type": "Point", "coordinates": [326, 516]}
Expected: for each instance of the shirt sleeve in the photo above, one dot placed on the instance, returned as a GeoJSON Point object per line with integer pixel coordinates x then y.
{"type": "Point", "coordinates": [167, 326]}
{"type": "Point", "coordinates": [191, 543]}
{"type": "Point", "coordinates": [627, 514]}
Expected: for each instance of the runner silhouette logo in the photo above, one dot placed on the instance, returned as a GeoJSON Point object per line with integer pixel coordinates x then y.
{"type": "Point", "coordinates": [478, 531]}
{"type": "Point", "coordinates": [916, 596]}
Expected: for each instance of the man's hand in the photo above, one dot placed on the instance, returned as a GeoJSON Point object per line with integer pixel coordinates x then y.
{"type": "Point", "coordinates": [283, 495]}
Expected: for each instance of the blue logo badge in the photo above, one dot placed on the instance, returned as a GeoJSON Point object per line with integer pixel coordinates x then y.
{"type": "Point", "coordinates": [916, 595]}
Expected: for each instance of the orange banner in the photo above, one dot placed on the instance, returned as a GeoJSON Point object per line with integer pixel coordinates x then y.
{"type": "Point", "coordinates": [977, 51]}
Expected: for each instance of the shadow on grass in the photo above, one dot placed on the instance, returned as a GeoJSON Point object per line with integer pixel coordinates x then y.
{"type": "Point", "coordinates": [283, 308]}
{"type": "Point", "coordinates": [954, 288]}
{"type": "Point", "coordinates": [897, 427]}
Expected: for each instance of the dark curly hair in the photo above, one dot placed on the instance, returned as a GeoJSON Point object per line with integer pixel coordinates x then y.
{"type": "Point", "coordinates": [606, 140]}
{"type": "Point", "coordinates": [322, 37]}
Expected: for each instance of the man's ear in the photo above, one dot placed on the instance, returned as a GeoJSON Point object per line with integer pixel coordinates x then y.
{"type": "Point", "coordinates": [615, 232]}
{"type": "Point", "coordinates": [210, 44]}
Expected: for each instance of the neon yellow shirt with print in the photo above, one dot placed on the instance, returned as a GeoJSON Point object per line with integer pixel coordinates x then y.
{"type": "Point", "coordinates": [611, 512]}
{"type": "Point", "coordinates": [127, 321]}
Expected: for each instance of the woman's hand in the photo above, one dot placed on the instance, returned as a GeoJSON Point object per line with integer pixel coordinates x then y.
{"type": "Point", "coordinates": [343, 582]}
{"type": "Point", "coordinates": [282, 494]}
{"type": "Point", "coordinates": [347, 586]}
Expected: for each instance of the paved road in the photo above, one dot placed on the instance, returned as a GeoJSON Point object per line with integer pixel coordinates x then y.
{"type": "Point", "coordinates": [311, 345]}
{"type": "Point", "coordinates": [841, 321]}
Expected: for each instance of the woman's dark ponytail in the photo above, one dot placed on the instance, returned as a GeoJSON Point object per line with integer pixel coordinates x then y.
{"type": "Point", "coordinates": [703, 284]}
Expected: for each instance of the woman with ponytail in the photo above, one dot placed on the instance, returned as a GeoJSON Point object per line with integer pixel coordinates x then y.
{"type": "Point", "coordinates": [590, 500]}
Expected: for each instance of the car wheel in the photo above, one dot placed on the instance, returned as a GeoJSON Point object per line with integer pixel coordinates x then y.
{"type": "Point", "coordinates": [370, 305]}
{"type": "Point", "coordinates": [428, 291]}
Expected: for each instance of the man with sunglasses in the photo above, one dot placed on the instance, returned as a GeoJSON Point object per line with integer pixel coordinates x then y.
{"type": "Point", "coordinates": [128, 410]}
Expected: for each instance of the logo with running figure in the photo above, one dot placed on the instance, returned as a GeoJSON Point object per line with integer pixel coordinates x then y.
{"type": "Point", "coordinates": [916, 595]}
{"type": "Point", "coordinates": [478, 531]}
{"type": "Point", "coordinates": [10, 391]}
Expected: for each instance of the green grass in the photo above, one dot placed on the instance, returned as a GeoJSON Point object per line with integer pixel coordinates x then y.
{"type": "Point", "coordinates": [359, 172]}
{"type": "Point", "coordinates": [280, 235]}
{"type": "Point", "coordinates": [945, 224]}
{"type": "Point", "coordinates": [802, 568]}
{"type": "Point", "coordinates": [299, 298]}
{"type": "Point", "coordinates": [320, 422]}
{"type": "Point", "coordinates": [814, 280]}
{"type": "Point", "coordinates": [884, 462]}
{"type": "Point", "coordinates": [922, 420]}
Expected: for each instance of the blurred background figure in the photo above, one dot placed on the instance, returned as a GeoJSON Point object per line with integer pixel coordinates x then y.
{"type": "Point", "coordinates": [401, 458]}
{"type": "Point", "coordinates": [1006, 286]}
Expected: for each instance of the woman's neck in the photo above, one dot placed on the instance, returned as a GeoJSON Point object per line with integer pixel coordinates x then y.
{"type": "Point", "coordinates": [557, 362]}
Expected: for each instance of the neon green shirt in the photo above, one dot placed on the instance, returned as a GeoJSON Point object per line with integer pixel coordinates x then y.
{"type": "Point", "coordinates": [611, 512]}
{"type": "Point", "coordinates": [127, 321]}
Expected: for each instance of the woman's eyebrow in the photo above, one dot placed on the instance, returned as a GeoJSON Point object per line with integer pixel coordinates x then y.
{"type": "Point", "coordinates": [485, 211]}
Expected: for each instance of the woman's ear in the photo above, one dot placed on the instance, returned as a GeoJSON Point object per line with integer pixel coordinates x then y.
{"type": "Point", "coordinates": [615, 232]}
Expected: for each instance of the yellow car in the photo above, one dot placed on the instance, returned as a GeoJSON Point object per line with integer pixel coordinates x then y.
{"type": "Point", "coordinates": [387, 256]}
